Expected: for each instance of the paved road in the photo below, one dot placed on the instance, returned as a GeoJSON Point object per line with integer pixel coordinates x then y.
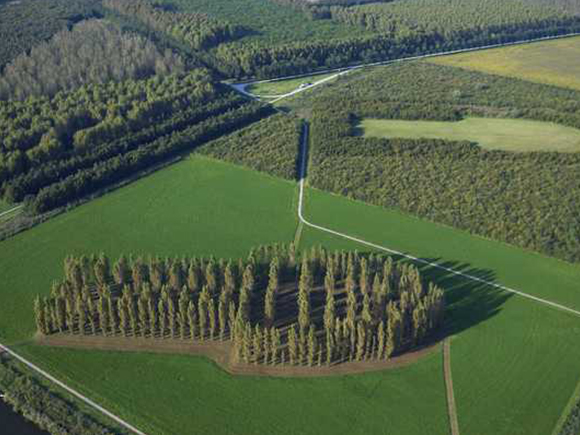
{"type": "Point", "coordinates": [303, 163]}
{"type": "Point", "coordinates": [71, 391]}
{"type": "Point", "coordinates": [241, 87]}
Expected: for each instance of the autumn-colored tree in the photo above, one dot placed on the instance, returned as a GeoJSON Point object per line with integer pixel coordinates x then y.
{"type": "Point", "coordinates": [293, 345]}
{"type": "Point", "coordinates": [329, 309]}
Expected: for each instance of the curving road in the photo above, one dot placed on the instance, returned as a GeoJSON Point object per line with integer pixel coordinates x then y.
{"type": "Point", "coordinates": [302, 177]}
{"type": "Point", "coordinates": [241, 87]}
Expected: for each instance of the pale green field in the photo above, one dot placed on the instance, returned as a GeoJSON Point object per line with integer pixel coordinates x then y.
{"type": "Point", "coordinates": [551, 62]}
{"type": "Point", "coordinates": [490, 133]}
{"type": "Point", "coordinates": [284, 86]}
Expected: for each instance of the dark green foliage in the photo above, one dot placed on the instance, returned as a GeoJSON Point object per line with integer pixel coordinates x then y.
{"type": "Point", "coordinates": [324, 332]}
{"type": "Point", "coordinates": [572, 424]}
{"type": "Point", "coordinates": [92, 52]}
{"type": "Point", "coordinates": [198, 30]}
{"type": "Point", "coordinates": [513, 197]}
{"type": "Point", "coordinates": [43, 407]}
{"type": "Point", "coordinates": [25, 23]}
{"type": "Point", "coordinates": [270, 145]}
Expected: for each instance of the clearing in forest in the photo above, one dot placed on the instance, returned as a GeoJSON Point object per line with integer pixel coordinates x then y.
{"type": "Point", "coordinates": [490, 133]}
{"type": "Point", "coordinates": [554, 62]}
{"type": "Point", "coordinates": [281, 87]}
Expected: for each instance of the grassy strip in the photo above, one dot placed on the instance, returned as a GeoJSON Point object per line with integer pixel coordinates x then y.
{"type": "Point", "coordinates": [490, 133]}
{"type": "Point", "coordinates": [550, 62]}
{"type": "Point", "coordinates": [569, 422]}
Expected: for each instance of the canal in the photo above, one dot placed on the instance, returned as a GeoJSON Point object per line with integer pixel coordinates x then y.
{"type": "Point", "coordinates": [12, 423]}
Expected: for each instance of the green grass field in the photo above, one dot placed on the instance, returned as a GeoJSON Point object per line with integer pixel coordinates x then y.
{"type": "Point", "coordinates": [196, 207]}
{"type": "Point", "coordinates": [176, 394]}
{"type": "Point", "coordinates": [284, 86]}
{"type": "Point", "coordinates": [490, 133]}
{"type": "Point", "coordinates": [551, 62]}
{"type": "Point", "coordinates": [514, 361]}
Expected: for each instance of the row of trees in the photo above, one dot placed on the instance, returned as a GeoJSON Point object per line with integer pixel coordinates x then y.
{"type": "Point", "coordinates": [46, 409]}
{"type": "Point", "coordinates": [198, 30]}
{"type": "Point", "coordinates": [439, 30]}
{"type": "Point", "coordinates": [508, 196]}
{"type": "Point", "coordinates": [24, 24]}
{"type": "Point", "coordinates": [106, 172]}
{"type": "Point", "coordinates": [270, 307]}
{"type": "Point", "coordinates": [94, 51]}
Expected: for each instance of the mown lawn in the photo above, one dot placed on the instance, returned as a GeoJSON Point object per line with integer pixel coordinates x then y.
{"type": "Point", "coordinates": [176, 394]}
{"type": "Point", "coordinates": [551, 62]}
{"type": "Point", "coordinates": [514, 361]}
{"type": "Point", "coordinates": [490, 133]}
{"type": "Point", "coordinates": [196, 207]}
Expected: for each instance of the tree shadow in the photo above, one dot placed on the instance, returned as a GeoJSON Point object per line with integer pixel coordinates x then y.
{"type": "Point", "coordinates": [468, 302]}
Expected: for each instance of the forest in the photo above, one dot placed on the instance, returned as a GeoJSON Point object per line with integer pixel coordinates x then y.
{"type": "Point", "coordinates": [274, 308]}
{"type": "Point", "coordinates": [507, 196]}
{"type": "Point", "coordinates": [270, 145]}
{"type": "Point", "coordinates": [92, 52]}
{"type": "Point", "coordinates": [26, 23]}
{"type": "Point", "coordinates": [46, 409]}
{"type": "Point", "coordinates": [198, 30]}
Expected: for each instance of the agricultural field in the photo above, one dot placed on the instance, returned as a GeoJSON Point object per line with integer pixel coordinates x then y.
{"type": "Point", "coordinates": [196, 207]}
{"type": "Point", "coordinates": [490, 133]}
{"type": "Point", "coordinates": [551, 62]}
{"type": "Point", "coordinates": [513, 360]}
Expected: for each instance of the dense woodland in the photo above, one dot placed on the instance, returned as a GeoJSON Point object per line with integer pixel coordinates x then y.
{"type": "Point", "coordinates": [270, 145]}
{"type": "Point", "coordinates": [92, 52]}
{"type": "Point", "coordinates": [46, 409]}
{"type": "Point", "coordinates": [513, 197]}
{"type": "Point", "coordinates": [26, 23]}
{"type": "Point", "coordinates": [329, 308]}
{"type": "Point", "coordinates": [198, 30]}
{"type": "Point", "coordinates": [57, 150]}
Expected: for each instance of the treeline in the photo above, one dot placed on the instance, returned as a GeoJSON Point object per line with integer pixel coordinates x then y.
{"type": "Point", "coordinates": [42, 407]}
{"type": "Point", "coordinates": [92, 52]}
{"type": "Point", "coordinates": [90, 131]}
{"type": "Point", "coordinates": [126, 163]}
{"type": "Point", "coordinates": [198, 30]}
{"type": "Point", "coordinates": [333, 307]}
{"type": "Point", "coordinates": [571, 425]}
{"type": "Point", "coordinates": [410, 31]}
{"type": "Point", "coordinates": [270, 145]}
{"type": "Point", "coordinates": [26, 23]}
{"type": "Point", "coordinates": [507, 196]}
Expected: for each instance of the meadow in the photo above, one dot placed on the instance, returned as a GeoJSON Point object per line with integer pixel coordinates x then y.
{"type": "Point", "coordinates": [514, 361]}
{"type": "Point", "coordinates": [518, 135]}
{"type": "Point", "coordinates": [551, 62]}
{"type": "Point", "coordinates": [196, 207]}
{"type": "Point", "coordinates": [281, 87]}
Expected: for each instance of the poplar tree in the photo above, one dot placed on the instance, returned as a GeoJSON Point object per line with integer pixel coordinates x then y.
{"type": "Point", "coordinates": [275, 343]}
{"type": "Point", "coordinates": [271, 291]}
{"type": "Point", "coordinates": [266, 345]}
{"type": "Point", "coordinates": [211, 313]}
{"type": "Point", "coordinates": [103, 315]}
{"type": "Point", "coordinates": [364, 276]}
{"type": "Point", "coordinates": [123, 317]}
{"type": "Point", "coordinates": [257, 345]}
{"type": "Point", "coordinates": [312, 346]}
{"type": "Point", "coordinates": [304, 288]}
{"type": "Point", "coordinates": [113, 317]}
{"type": "Point", "coordinates": [211, 278]}
{"type": "Point", "coordinates": [162, 313]}
{"type": "Point", "coordinates": [183, 304]}
{"type": "Point", "coordinates": [70, 315]}
{"type": "Point", "coordinates": [121, 271]}
{"type": "Point", "coordinates": [232, 318]}
{"type": "Point", "coordinates": [360, 341]}
{"type": "Point", "coordinates": [176, 279]}
{"type": "Point", "coordinates": [139, 273]}
{"type": "Point", "coordinates": [222, 316]}
{"type": "Point", "coordinates": [380, 340]}
{"type": "Point", "coordinates": [193, 277]}
{"type": "Point", "coordinates": [92, 315]}
{"type": "Point", "coordinates": [40, 316]}
{"type": "Point", "coordinates": [366, 316]}
{"type": "Point", "coordinates": [172, 317]}
{"type": "Point", "coordinates": [229, 279]}
{"type": "Point", "coordinates": [293, 345]}
{"type": "Point", "coordinates": [202, 312]}
{"type": "Point", "coordinates": [191, 319]}
{"type": "Point", "coordinates": [143, 315]}
{"type": "Point", "coordinates": [81, 312]}
{"type": "Point", "coordinates": [102, 270]}
{"type": "Point", "coordinates": [329, 309]}
{"type": "Point", "coordinates": [247, 343]}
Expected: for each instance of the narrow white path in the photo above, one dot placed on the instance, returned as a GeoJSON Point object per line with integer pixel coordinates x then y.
{"type": "Point", "coordinates": [241, 87]}
{"type": "Point", "coordinates": [78, 395]}
{"type": "Point", "coordinates": [12, 210]}
{"type": "Point", "coordinates": [302, 177]}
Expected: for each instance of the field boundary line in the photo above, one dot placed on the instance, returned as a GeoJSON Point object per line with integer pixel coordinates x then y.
{"type": "Point", "coordinates": [402, 254]}
{"type": "Point", "coordinates": [4, 213]}
{"type": "Point", "coordinates": [575, 398]}
{"type": "Point", "coordinates": [451, 409]}
{"type": "Point", "coordinates": [240, 87]}
{"type": "Point", "coordinates": [78, 395]}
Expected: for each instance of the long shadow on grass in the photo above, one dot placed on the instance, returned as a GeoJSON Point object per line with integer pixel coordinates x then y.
{"type": "Point", "coordinates": [468, 302]}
